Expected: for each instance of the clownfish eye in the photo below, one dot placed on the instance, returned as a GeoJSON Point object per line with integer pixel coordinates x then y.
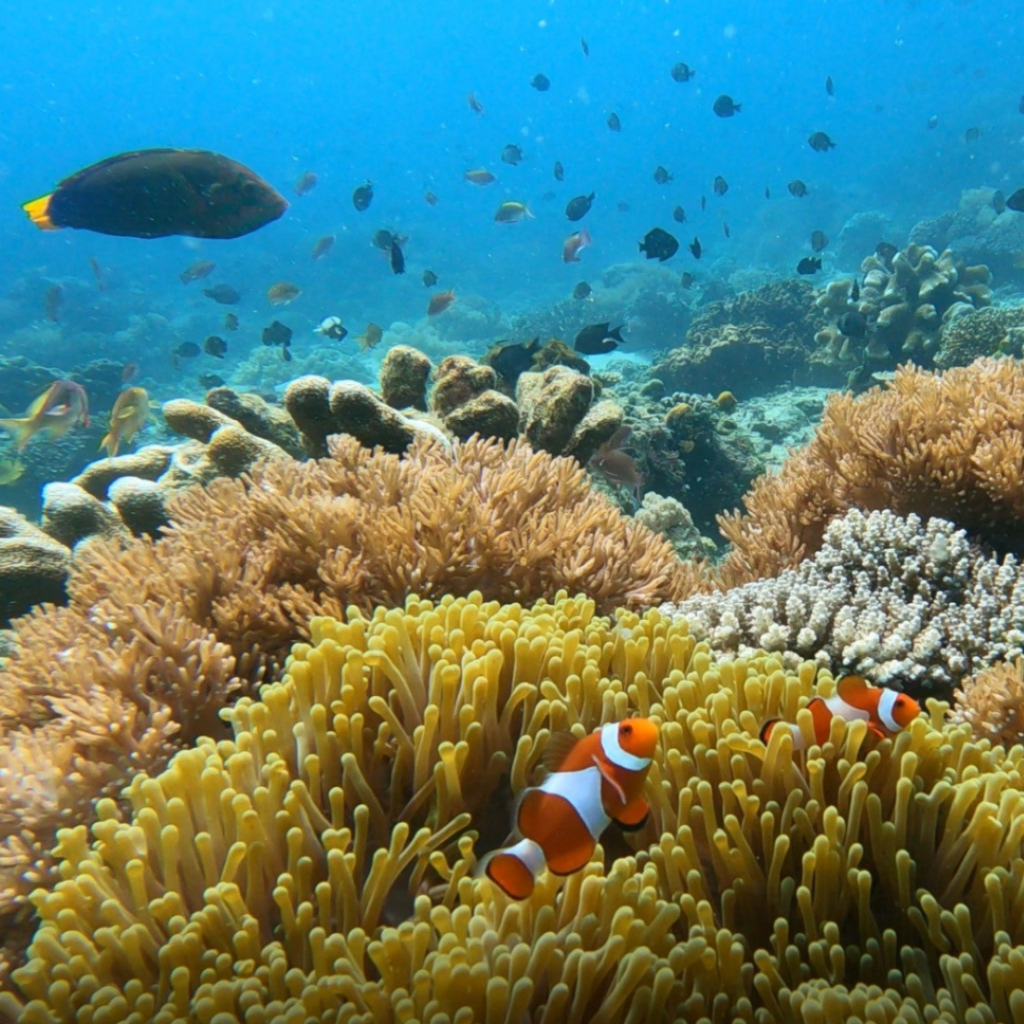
{"type": "Point", "coordinates": [625, 729]}
{"type": "Point", "coordinates": [901, 701]}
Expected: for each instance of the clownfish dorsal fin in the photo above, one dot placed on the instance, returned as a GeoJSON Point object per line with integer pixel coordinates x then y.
{"type": "Point", "coordinates": [854, 690]}
{"type": "Point", "coordinates": [558, 747]}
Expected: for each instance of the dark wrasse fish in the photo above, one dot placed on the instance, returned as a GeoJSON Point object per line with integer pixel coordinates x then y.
{"type": "Point", "coordinates": [152, 193]}
{"type": "Point", "coordinates": [578, 208]}
{"type": "Point", "coordinates": [597, 339]}
{"type": "Point", "coordinates": [809, 265]}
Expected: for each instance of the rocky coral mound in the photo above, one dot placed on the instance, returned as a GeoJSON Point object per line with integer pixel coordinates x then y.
{"type": "Point", "coordinates": [909, 604]}
{"type": "Point", "coordinates": [747, 345]}
{"type": "Point", "coordinates": [319, 864]}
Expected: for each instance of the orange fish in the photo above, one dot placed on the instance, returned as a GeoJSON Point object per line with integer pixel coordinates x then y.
{"type": "Point", "coordinates": [129, 372]}
{"type": "Point", "coordinates": [322, 247]}
{"type": "Point", "coordinates": [199, 270]}
{"type": "Point", "coordinates": [440, 302]}
{"type": "Point", "coordinates": [479, 176]}
{"type": "Point", "coordinates": [282, 293]}
{"type": "Point", "coordinates": [61, 406]}
{"type": "Point", "coordinates": [886, 711]}
{"type": "Point", "coordinates": [474, 104]}
{"type": "Point", "coordinates": [129, 415]}
{"type": "Point", "coordinates": [573, 244]}
{"type": "Point", "coordinates": [599, 779]}
{"type": "Point", "coordinates": [306, 183]}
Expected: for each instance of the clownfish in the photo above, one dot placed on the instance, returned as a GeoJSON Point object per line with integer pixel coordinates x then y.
{"type": "Point", "coordinates": [886, 711]}
{"type": "Point", "coordinates": [597, 779]}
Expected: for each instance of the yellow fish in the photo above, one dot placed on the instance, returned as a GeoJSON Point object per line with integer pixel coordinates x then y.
{"type": "Point", "coordinates": [372, 337]}
{"type": "Point", "coordinates": [63, 405]}
{"type": "Point", "coordinates": [11, 470]}
{"type": "Point", "coordinates": [129, 415]}
{"type": "Point", "coordinates": [511, 212]}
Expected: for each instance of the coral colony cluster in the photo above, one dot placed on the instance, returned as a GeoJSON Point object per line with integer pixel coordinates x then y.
{"type": "Point", "coordinates": [271, 687]}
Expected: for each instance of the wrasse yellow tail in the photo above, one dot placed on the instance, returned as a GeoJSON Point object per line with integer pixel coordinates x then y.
{"type": "Point", "coordinates": [21, 430]}
{"type": "Point", "coordinates": [38, 211]}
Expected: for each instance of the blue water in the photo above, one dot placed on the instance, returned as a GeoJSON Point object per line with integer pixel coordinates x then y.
{"type": "Point", "coordinates": [378, 91]}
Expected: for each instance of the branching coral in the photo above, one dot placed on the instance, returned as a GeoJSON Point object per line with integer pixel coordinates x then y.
{"type": "Point", "coordinates": [316, 866]}
{"type": "Point", "coordinates": [161, 635]}
{"type": "Point", "coordinates": [948, 445]}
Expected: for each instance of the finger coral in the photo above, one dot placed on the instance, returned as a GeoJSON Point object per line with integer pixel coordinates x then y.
{"type": "Point", "coordinates": [948, 445]}
{"type": "Point", "coordinates": [318, 865]}
{"type": "Point", "coordinates": [160, 635]}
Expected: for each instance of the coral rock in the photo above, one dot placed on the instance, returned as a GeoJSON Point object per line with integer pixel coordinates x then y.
{"type": "Point", "coordinates": [599, 424]}
{"type": "Point", "coordinates": [141, 504]}
{"type": "Point", "coordinates": [403, 377]}
{"type": "Point", "coordinates": [259, 417]}
{"type": "Point", "coordinates": [233, 450]}
{"type": "Point", "coordinates": [193, 419]}
{"type": "Point", "coordinates": [489, 414]}
{"type": "Point", "coordinates": [307, 400]}
{"type": "Point", "coordinates": [33, 566]}
{"type": "Point", "coordinates": [149, 462]}
{"type": "Point", "coordinates": [457, 380]}
{"type": "Point", "coordinates": [71, 514]}
{"type": "Point", "coordinates": [356, 410]}
{"type": "Point", "coordinates": [551, 406]}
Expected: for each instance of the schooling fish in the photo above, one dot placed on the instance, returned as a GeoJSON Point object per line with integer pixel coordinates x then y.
{"type": "Point", "coordinates": [725, 107]}
{"type": "Point", "coordinates": [579, 207]}
{"type": "Point", "coordinates": [362, 196]}
{"type": "Point", "coordinates": [599, 339]}
{"type": "Point", "coordinates": [440, 302]}
{"type": "Point", "coordinates": [600, 778]}
{"type": "Point", "coordinates": [306, 183]}
{"type": "Point", "coordinates": [153, 193]}
{"type": "Point", "coordinates": [129, 415]}
{"type": "Point", "coordinates": [322, 247]}
{"type": "Point", "coordinates": [820, 142]}
{"type": "Point", "coordinates": [797, 188]}
{"type": "Point", "coordinates": [573, 244]}
{"type": "Point", "coordinates": [809, 265]}
{"type": "Point", "coordinates": [60, 407]}
{"type": "Point", "coordinates": [886, 711]}
{"type": "Point", "coordinates": [659, 245]}
{"type": "Point", "coordinates": [682, 72]}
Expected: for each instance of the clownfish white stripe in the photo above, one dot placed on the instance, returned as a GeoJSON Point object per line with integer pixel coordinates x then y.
{"type": "Point", "coordinates": [582, 791]}
{"type": "Point", "coordinates": [840, 707]}
{"type": "Point", "coordinates": [886, 704]}
{"type": "Point", "coordinates": [530, 854]}
{"type": "Point", "coordinates": [612, 749]}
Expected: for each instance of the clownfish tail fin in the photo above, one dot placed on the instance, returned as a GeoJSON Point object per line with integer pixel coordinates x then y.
{"type": "Point", "coordinates": [515, 870]}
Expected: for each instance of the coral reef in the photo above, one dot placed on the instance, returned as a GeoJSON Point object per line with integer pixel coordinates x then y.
{"type": "Point", "coordinates": [992, 703]}
{"type": "Point", "coordinates": [901, 308]}
{"type": "Point", "coordinates": [160, 634]}
{"type": "Point", "coordinates": [973, 333]}
{"type": "Point", "coordinates": [404, 374]}
{"type": "Point", "coordinates": [33, 566]}
{"type": "Point", "coordinates": [747, 345]}
{"type": "Point", "coordinates": [909, 605]}
{"type": "Point", "coordinates": [318, 864]}
{"type": "Point", "coordinates": [936, 444]}
{"type": "Point", "coordinates": [670, 518]}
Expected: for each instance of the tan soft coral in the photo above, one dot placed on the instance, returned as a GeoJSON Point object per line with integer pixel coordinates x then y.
{"type": "Point", "coordinates": [949, 445]}
{"type": "Point", "coordinates": [315, 866]}
{"type": "Point", "coordinates": [992, 703]}
{"type": "Point", "coordinates": [161, 635]}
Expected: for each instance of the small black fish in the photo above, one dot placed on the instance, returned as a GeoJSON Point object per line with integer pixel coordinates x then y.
{"type": "Point", "coordinates": [210, 380]}
{"type": "Point", "coordinates": [1020, 106]}
{"type": "Point", "coordinates": [362, 196]}
{"type": "Point", "coordinates": [972, 135]}
{"type": "Point", "coordinates": [383, 239]}
{"type": "Point", "coordinates": [559, 171]}
{"type": "Point", "coordinates": [809, 265]}
{"type": "Point", "coordinates": [797, 188]}
{"type": "Point", "coordinates": [721, 186]}
{"type": "Point", "coordinates": [277, 334]}
{"type": "Point", "coordinates": [230, 321]}
{"type": "Point", "coordinates": [622, 206]}
{"type": "Point", "coordinates": [578, 208]}
{"type": "Point", "coordinates": [933, 121]}
{"type": "Point", "coordinates": [215, 346]}
{"type": "Point", "coordinates": [661, 175]}
{"type": "Point", "coordinates": [679, 215]}
{"type": "Point", "coordinates": [582, 291]}
{"type": "Point", "coordinates": [998, 202]}
{"type": "Point", "coordinates": [703, 203]}
{"type": "Point", "coordinates": [286, 354]}
{"type": "Point", "coordinates": [396, 258]}
{"type": "Point", "coordinates": [658, 245]}
{"type": "Point", "coordinates": [682, 72]}
{"type": "Point", "coordinates": [509, 359]}
{"type": "Point", "coordinates": [767, 192]}
{"type": "Point", "coordinates": [687, 280]}
{"type": "Point", "coordinates": [853, 324]}
{"type": "Point", "coordinates": [429, 278]}
{"type": "Point", "coordinates": [222, 293]}
{"type": "Point", "coordinates": [886, 253]}
{"type": "Point", "coordinates": [541, 82]}
{"type": "Point", "coordinates": [186, 350]}
{"type": "Point", "coordinates": [695, 248]}
{"type": "Point", "coordinates": [855, 292]}
{"type": "Point", "coordinates": [614, 123]}
{"type": "Point", "coordinates": [1016, 201]}
{"type": "Point", "coordinates": [820, 142]}
{"type": "Point", "coordinates": [725, 107]}
{"type": "Point", "coordinates": [598, 339]}
{"type": "Point", "coordinates": [818, 240]}
{"type": "Point", "coordinates": [725, 230]}
{"type": "Point", "coordinates": [584, 47]}
{"type": "Point", "coordinates": [829, 87]}
{"type": "Point", "coordinates": [511, 154]}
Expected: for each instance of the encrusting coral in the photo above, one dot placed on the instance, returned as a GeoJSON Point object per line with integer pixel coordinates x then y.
{"type": "Point", "coordinates": [161, 634]}
{"type": "Point", "coordinates": [936, 444]}
{"type": "Point", "coordinates": [320, 864]}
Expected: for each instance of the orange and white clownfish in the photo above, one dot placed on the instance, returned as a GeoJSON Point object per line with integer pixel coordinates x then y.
{"type": "Point", "coordinates": [886, 711]}
{"type": "Point", "coordinates": [599, 778]}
